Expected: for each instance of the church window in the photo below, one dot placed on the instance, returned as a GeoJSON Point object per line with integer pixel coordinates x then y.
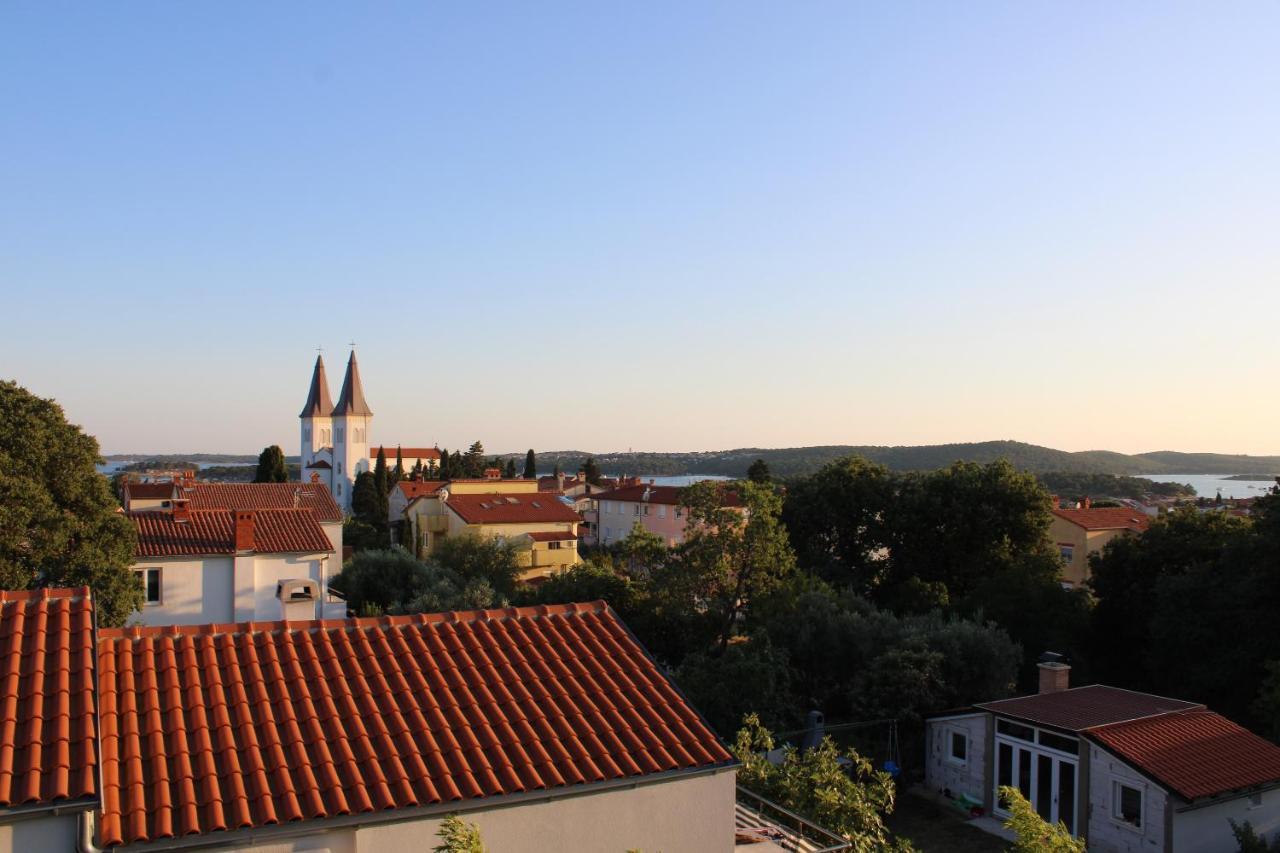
{"type": "Point", "coordinates": [339, 488]}
{"type": "Point", "coordinates": [306, 434]}
{"type": "Point", "coordinates": [340, 431]}
{"type": "Point", "coordinates": [339, 467]}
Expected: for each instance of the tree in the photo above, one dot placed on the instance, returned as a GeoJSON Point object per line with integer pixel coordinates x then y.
{"type": "Point", "coordinates": [530, 465]}
{"type": "Point", "coordinates": [735, 548]}
{"type": "Point", "coordinates": [714, 684]}
{"type": "Point", "coordinates": [836, 518]}
{"type": "Point", "coordinates": [59, 523]}
{"type": "Point", "coordinates": [641, 551]}
{"type": "Point", "coordinates": [446, 469]}
{"type": "Point", "coordinates": [472, 557]}
{"type": "Point", "coordinates": [1034, 833]}
{"type": "Point", "coordinates": [458, 837]}
{"type": "Point", "coordinates": [397, 474]}
{"type": "Point", "coordinates": [271, 467]}
{"type": "Point", "coordinates": [381, 476]}
{"type": "Point", "coordinates": [509, 472]}
{"type": "Point", "coordinates": [369, 502]}
{"type": "Point", "coordinates": [586, 582]}
{"type": "Point", "coordinates": [759, 472]}
{"type": "Point", "coordinates": [391, 580]}
{"type": "Point", "coordinates": [1250, 841]}
{"type": "Point", "coordinates": [591, 471]}
{"type": "Point", "coordinates": [842, 793]}
{"type": "Point", "coordinates": [473, 463]}
{"type": "Point", "coordinates": [416, 472]}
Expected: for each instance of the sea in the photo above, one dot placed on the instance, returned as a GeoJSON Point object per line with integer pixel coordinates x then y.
{"type": "Point", "coordinates": [679, 480]}
{"type": "Point", "coordinates": [1208, 485]}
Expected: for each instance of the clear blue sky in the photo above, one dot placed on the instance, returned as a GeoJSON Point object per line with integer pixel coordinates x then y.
{"type": "Point", "coordinates": [659, 226]}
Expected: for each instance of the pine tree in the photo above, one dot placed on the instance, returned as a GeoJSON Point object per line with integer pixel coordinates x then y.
{"type": "Point", "coordinates": [759, 472]}
{"type": "Point", "coordinates": [416, 473]}
{"type": "Point", "coordinates": [446, 470]}
{"type": "Point", "coordinates": [509, 472]}
{"type": "Point", "coordinates": [591, 471]}
{"type": "Point", "coordinates": [474, 462]}
{"type": "Point", "coordinates": [530, 465]}
{"type": "Point", "coordinates": [380, 474]}
{"type": "Point", "coordinates": [271, 467]}
{"type": "Point", "coordinates": [458, 466]}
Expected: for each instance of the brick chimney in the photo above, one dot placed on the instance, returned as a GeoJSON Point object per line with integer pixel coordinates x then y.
{"type": "Point", "coordinates": [1055, 673]}
{"type": "Point", "coordinates": [243, 527]}
{"type": "Point", "coordinates": [181, 511]}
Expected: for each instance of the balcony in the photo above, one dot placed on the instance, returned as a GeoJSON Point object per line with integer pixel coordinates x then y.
{"type": "Point", "coordinates": [763, 826]}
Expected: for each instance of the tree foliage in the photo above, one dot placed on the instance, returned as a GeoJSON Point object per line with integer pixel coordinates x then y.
{"type": "Point", "coordinates": [59, 524]}
{"type": "Point", "coordinates": [381, 476]}
{"type": "Point", "coordinates": [458, 836]}
{"type": "Point", "coordinates": [842, 793]}
{"type": "Point", "coordinates": [591, 471]}
{"type": "Point", "coordinates": [369, 502]}
{"type": "Point", "coordinates": [759, 472]}
{"type": "Point", "coordinates": [393, 581]}
{"type": "Point", "coordinates": [473, 557]}
{"type": "Point", "coordinates": [530, 465]}
{"type": "Point", "coordinates": [1033, 833]}
{"type": "Point", "coordinates": [271, 466]}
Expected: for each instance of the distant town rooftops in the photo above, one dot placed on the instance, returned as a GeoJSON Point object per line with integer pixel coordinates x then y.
{"type": "Point", "coordinates": [510, 508]}
{"type": "Point", "coordinates": [1105, 518]}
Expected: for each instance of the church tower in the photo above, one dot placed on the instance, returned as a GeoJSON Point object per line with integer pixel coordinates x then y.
{"type": "Point", "coordinates": [351, 419]}
{"type": "Point", "coordinates": [317, 428]}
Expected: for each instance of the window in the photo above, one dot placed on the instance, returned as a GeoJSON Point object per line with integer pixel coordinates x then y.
{"type": "Point", "coordinates": [554, 546]}
{"type": "Point", "coordinates": [1067, 552]}
{"type": "Point", "coordinates": [679, 512]}
{"type": "Point", "coordinates": [1059, 742]}
{"type": "Point", "coordinates": [339, 488]}
{"type": "Point", "coordinates": [608, 533]}
{"type": "Point", "coordinates": [340, 432]}
{"type": "Point", "coordinates": [1126, 804]}
{"type": "Point", "coordinates": [150, 579]}
{"type": "Point", "coordinates": [662, 511]}
{"type": "Point", "coordinates": [646, 509]}
{"type": "Point", "coordinates": [637, 508]}
{"type": "Point", "coordinates": [339, 467]}
{"type": "Point", "coordinates": [1014, 730]}
{"type": "Point", "coordinates": [306, 434]}
{"type": "Point", "coordinates": [1255, 800]}
{"type": "Point", "coordinates": [959, 753]}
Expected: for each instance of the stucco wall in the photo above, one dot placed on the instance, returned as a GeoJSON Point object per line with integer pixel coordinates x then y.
{"type": "Point", "coordinates": [942, 773]}
{"type": "Point", "coordinates": [55, 834]}
{"type": "Point", "coordinates": [616, 519]}
{"type": "Point", "coordinates": [193, 591]}
{"type": "Point", "coordinates": [693, 815]}
{"type": "Point", "coordinates": [1106, 834]}
{"type": "Point", "coordinates": [1207, 830]}
{"type": "Point", "coordinates": [270, 569]}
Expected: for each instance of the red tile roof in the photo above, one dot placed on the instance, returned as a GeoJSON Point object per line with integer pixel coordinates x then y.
{"type": "Point", "coordinates": [1106, 518]}
{"type": "Point", "coordinates": [511, 508]}
{"type": "Point", "coordinates": [405, 453]}
{"type": "Point", "coordinates": [256, 496]}
{"type": "Point", "coordinates": [1193, 753]}
{"type": "Point", "coordinates": [150, 491]}
{"type": "Point", "coordinates": [417, 488]}
{"type": "Point", "coordinates": [275, 531]}
{"type": "Point", "coordinates": [552, 536]}
{"type": "Point", "coordinates": [658, 495]}
{"type": "Point", "coordinates": [1085, 707]}
{"type": "Point", "coordinates": [229, 726]}
{"type": "Point", "coordinates": [48, 734]}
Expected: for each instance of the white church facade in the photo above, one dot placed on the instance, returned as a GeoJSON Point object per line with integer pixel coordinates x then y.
{"type": "Point", "coordinates": [335, 438]}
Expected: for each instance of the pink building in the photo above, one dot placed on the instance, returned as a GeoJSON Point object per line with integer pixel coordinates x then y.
{"type": "Point", "coordinates": [656, 508]}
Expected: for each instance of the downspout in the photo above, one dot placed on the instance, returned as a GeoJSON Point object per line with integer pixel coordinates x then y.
{"type": "Point", "coordinates": [84, 835]}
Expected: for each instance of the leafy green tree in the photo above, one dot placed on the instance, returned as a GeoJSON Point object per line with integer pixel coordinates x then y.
{"type": "Point", "coordinates": [456, 836]}
{"type": "Point", "coordinates": [641, 552]}
{"type": "Point", "coordinates": [1034, 834]}
{"type": "Point", "coordinates": [1266, 707]}
{"type": "Point", "coordinates": [851, 799]}
{"type": "Point", "coordinates": [731, 554]}
{"type": "Point", "coordinates": [836, 518]}
{"type": "Point", "coordinates": [271, 467]}
{"type": "Point", "coordinates": [587, 582]}
{"type": "Point", "coordinates": [391, 580]}
{"type": "Point", "coordinates": [397, 474]}
{"type": "Point", "coordinates": [361, 535]}
{"type": "Point", "coordinates": [759, 472]}
{"type": "Point", "coordinates": [591, 471]}
{"type": "Point", "coordinates": [530, 465]}
{"type": "Point", "coordinates": [369, 502]}
{"type": "Point", "coordinates": [473, 557]}
{"type": "Point", "coordinates": [381, 476]}
{"type": "Point", "coordinates": [714, 684]}
{"type": "Point", "coordinates": [473, 464]}
{"type": "Point", "coordinates": [59, 524]}
{"type": "Point", "coordinates": [1250, 841]}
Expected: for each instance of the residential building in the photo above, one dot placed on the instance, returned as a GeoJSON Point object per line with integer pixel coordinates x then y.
{"type": "Point", "coordinates": [1128, 771]}
{"type": "Point", "coordinates": [217, 564]}
{"type": "Point", "coordinates": [657, 509]}
{"type": "Point", "coordinates": [543, 526]}
{"type": "Point", "coordinates": [410, 457]}
{"type": "Point", "coordinates": [1080, 531]}
{"type": "Point", "coordinates": [549, 727]}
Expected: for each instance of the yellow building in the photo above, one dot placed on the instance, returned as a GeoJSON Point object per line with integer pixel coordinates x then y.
{"type": "Point", "coordinates": [542, 527]}
{"type": "Point", "coordinates": [1079, 532]}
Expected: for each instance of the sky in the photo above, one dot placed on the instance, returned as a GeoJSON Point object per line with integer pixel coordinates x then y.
{"type": "Point", "coordinates": [658, 226]}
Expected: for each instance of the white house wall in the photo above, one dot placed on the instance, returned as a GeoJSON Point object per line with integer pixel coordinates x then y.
{"type": "Point", "coordinates": [1106, 834]}
{"type": "Point", "coordinates": [193, 591]}
{"type": "Point", "coordinates": [691, 815]}
{"type": "Point", "coordinates": [942, 773]}
{"type": "Point", "coordinates": [52, 833]}
{"type": "Point", "coordinates": [269, 570]}
{"type": "Point", "coordinates": [1206, 830]}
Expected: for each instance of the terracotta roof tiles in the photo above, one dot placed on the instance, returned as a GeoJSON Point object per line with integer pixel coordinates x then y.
{"type": "Point", "coordinates": [256, 496]}
{"type": "Point", "coordinates": [1194, 753]}
{"type": "Point", "coordinates": [226, 726]}
{"type": "Point", "coordinates": [48, 735]}
{"type": "Point", "coordinates": [1085, 707]}
{"type": "Point", "coordinates": [276, 531]}
{"type": "Point", "coordinates": [511, 508]}
{"type": "Point", "coordinates": [1106, 518]}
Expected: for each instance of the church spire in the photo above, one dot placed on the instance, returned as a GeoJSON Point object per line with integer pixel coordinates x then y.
{"type": "Point", "coordinates": [318, 402]}
{"type": "Point", "coordinates": [351, 400]}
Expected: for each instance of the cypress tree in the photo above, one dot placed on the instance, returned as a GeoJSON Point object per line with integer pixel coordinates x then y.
{"type": "Point", "coordinates": [398, 474]}
{"type": "Point", "coordinates": [510, 471]}
{"type": "Point", "coordinates": [446, 470]}
{"type": "Point", "coordinates": [591, 471]}
{"type": "Point", "coordinates": [530, 465]}
{"type": "Point", "coordinates": [271, 467]}
{"type": "Point", "coordinates": [380, 478]}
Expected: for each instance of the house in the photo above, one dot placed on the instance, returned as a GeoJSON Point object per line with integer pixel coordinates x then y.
{"type": "Point", "coordinates": [1080, 531]}
{"type": "Point", "coordinates": [542, 525]}
{"type": "Point", "coordinates": [655, 508]}
{"type": "Point", "coordinates": [410, 457]}
{"type": "Point", "coordinates": [548, 727]}
{"type": "Point", "coordinates": [221, 565]}
{"type": "Point", "coordinates": [1128, 771]}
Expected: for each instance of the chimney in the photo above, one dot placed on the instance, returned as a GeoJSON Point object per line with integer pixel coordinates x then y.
{"type": "Point", "coordinates": [560, 480]}
{"type": "Point", "coordinates": [1054, 502]}
{"type": "Point", "coordinates": [1055, 673]}
{"type": "Point", "coordinates": [243, 527]}
{"type": "Point", "coordinates": [1086, 503]}
{"type": "Point", "coordinates": [181, 511]}
{"type": "Point", "coordinates": [815, 731]}
{"type": "Point", "coordinates": [188, 478]}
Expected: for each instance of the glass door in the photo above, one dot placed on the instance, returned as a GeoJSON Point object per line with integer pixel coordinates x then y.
{"type": "Point", "coordinates": [1047, 781]}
